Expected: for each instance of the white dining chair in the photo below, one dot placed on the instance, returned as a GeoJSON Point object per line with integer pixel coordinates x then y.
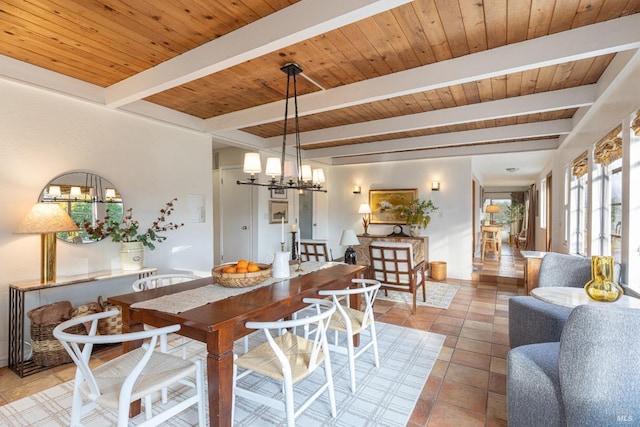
{"type": "Point", "coordinates": [135, 375]}
{"type": "Point", "coordinates": [289, 358]}
{"type": "Point", "coordinates": [351, 321]}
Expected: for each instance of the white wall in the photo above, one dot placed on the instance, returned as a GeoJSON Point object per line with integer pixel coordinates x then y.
{"type": "Point", "coordinates": [450, 229]}
{"type": "Point", "coordinates": [43, 135]}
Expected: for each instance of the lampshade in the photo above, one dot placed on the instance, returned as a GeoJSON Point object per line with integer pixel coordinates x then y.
{"type": "Point", "coordinates": [252, 163]}
{"type": "Point", "coordinates": [273, 167]}
{"type": "Point", "coordinates": [492, 209]}
{"type": "Point", "coordinates": [46, 218]}
{"type": "Point", "coordinates": [349, 238]}
{"type": "Point", "coordinates": [364, 209]}
{"type": "Point", "coordinates": [75, 191]}
{"type": "Point", "coordinates": [318, 176]}
{"type": "Point", "coordinates": [54, 191]}
{"type": "Point", "coordinates": [110, 193]}
{"type": "Point", "coordinates": [306, 175]}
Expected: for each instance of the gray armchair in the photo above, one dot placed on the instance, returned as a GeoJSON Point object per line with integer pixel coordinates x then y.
{"type": "Point", "coordinates": [533, 321]}
{"type": "Point", "coordinates": [589, 378]}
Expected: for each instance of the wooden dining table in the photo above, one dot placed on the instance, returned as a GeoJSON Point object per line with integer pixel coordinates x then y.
{"type": "Point", "coordinates": [219, 324]}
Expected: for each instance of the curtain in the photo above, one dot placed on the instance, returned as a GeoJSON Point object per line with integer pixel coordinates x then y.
{"type": "Point", "coordinates": [531, 222]}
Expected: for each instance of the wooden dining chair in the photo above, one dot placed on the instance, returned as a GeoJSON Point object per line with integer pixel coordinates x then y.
{"type": "Point", "coordinates": [393, 265]}
{"type": "Point", "coordinates": [351, 321]}
{"type": "Point", "coordinates": [314, 250]}
{"type": "Point", "coordinates": [135, 375]}
{"type": "Point", "coordinates": [289, 358]}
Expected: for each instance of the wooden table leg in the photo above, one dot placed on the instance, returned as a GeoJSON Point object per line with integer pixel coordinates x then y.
{"type": "Point", "coordinates": [220, 376]}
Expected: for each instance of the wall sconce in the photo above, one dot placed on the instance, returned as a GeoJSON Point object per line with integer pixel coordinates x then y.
{"type": "Point", "coordinates": [435, 186]}
{"type": "Point", "coordinates": [47, 219]}
{"type": "Point", "coordinates": [357, 189]}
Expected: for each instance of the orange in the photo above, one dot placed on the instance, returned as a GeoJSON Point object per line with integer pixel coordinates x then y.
{"type": "Point", "coordinates": [241, 270]}
{"type": "Point", "coordinates": [231, 269]}
{"type": "Point", "coordinates": [253, 268]}
{"type": "Point", "coordinates": [242, 263]}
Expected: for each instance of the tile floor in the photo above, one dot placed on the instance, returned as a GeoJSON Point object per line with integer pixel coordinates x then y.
{"type": "Point", "coordinates": [468, 383]}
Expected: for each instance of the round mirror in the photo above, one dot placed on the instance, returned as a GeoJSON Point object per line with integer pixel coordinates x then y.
{"type": "Point", "coordinates": [85, 196]}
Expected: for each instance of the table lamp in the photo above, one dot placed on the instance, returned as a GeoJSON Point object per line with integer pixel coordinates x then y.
{"type": "Point", "coordinates": [491, 209]}
{"type": "Point", "coordinates": [47, 219]}
{"type": "Point", "coordinates": [365, 209]}
{"type": "Point", "coordinates": [349, 239]}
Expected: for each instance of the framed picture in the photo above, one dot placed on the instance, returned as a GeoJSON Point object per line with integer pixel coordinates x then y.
{"type": "Point", "coordinates": [279, 193]}
{"type": "Point", "coordinates": [385, 203]}
{"type": "Point", "coordinates": [277, 211]}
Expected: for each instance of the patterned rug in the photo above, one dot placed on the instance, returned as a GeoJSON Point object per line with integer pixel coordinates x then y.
{"type": "Point", "coordinates": [385, 396]}
{"type": "Point", "coordinates": [439, 295]}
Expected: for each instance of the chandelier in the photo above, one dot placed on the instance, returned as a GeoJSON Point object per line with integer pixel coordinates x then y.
{"type": "Point", "coordinates": [285, 174]}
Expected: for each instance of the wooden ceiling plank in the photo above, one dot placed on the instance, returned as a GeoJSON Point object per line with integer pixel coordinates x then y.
{"type": "Point", "coordinates": [514, 85]}
{"type": "Point", "coordinates": [518, 13]}
{"type": "Point", "coordinates": [499, 87]}
{"type": "Point", "coordinates": [540, 19]}
{"type": "Point", "coordinates": [283, 28]}
{"type": "Point", "coordinates": [495, 12]}
{"type": "Point", "coordinates": [563, 13]}
{"type": "Point", "coordinates": [587, 12]}
{"type": "Point", "coordinates": [473, 19]}
{"type": "Point", "coordinates": [584, 42]}
{"type": "Point", "coordinates": [451, 17]}
{"type": "Point", "coordinates": [414, 33]}
{"type": "Point", "coordinates": [550, 101]}
{"type": "Point", "coordinates": [405, 56]}
{"type": "Point", "coordinates": [432, 25]}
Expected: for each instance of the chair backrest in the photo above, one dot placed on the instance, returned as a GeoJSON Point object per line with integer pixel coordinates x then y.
{"type": "Point", "coordinates": [80, 346]}
{"type": "Point", "coordinates": [366, 287]}
{"type": "Point", "coordinates": [314, 250]}
{"type": "Point", "coordinates": [558, 269]}
{"type": "Point", "coordinates": [599, 366]}
{"type": "Point", "coordinates": [161, 280]}
{"type": "Point", "coordinates": [392, 262]}
{"type": "Point", "coordinates": [324, 310]}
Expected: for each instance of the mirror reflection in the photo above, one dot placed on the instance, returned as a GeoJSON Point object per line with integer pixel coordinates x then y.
{"type": "Point", "coordinates": [85, 196]}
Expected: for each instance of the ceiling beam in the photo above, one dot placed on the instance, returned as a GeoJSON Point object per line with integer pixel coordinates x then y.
{"type": "Point", "coordinates": [286, 27]}
{"type": "Point", "coordinates": [479, 149]}
{"type": "Point", "coordinates": [528, 104]}
{"type": "Point", "coordinates": [529, 130]}
{"type": "Point", "coordinates": [584, 42]}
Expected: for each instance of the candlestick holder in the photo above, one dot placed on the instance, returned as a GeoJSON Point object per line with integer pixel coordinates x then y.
{"type": "Point", "coordinates": [299, 269]}
{"type": "Point", "coordinates": [294, 247]}
{"type": "Point", "coordinates": [281, 246]}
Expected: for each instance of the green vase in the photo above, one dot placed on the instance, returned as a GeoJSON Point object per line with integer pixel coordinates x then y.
{"type": "Point", "coordinates": [601, 287]}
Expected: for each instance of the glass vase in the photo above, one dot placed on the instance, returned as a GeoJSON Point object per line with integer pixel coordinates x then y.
{"type": "Point", "coordinates": [601, 287]}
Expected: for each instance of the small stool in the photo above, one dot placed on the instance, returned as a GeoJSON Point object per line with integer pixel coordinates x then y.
{"type": "Point", "coordinates": [491, 241]}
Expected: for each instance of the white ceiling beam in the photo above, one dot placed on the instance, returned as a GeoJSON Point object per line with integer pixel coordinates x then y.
{"type": "Point", "coordinates": [506, 147]}
{"type": "Point", "coordinates": [528, 104]}
{"type": "Point", "coordinates": [286, 27]}
{"type": "Point", "coordinates": [529, 130]}
{"type": "Point", "coordinates": [589, 41]}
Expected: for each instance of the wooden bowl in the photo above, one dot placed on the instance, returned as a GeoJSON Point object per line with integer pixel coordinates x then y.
{"type": "Point", "coordinates": [241, 280]}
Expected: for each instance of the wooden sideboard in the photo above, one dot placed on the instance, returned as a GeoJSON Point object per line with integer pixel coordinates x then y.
{"type": "Point", "coordinates": [532, 261]}
{"type": "Point", "coordinates": [420, 247]}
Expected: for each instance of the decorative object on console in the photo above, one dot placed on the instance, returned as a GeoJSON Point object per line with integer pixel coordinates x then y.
{"type": "Point", "coordinates": [47, 219]}
{"type": "Point", "coordinates": [283, 176]}
{"type": "Point", "coordinates": [416, 214]}
{"type": "Point", "coordinates": [492, 209]}
{"type": "Point", "coordinates": [385, 205]}
{"type": "Point", "coordinates": [349, 239]}
{"type": "Point", "coordinates": [397, 231]}
{"type": "Point", "coordinates": [365, 209]}
{"type": "Point", "coordinates": [127, 232]}
{"type": "Point", "coordinates": [602, 287]}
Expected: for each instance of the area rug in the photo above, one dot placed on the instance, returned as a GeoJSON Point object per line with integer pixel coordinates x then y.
{"type": "Point", "coordinates": [439, 295]}
{"type": "Point", "coordinates": [385, 396]}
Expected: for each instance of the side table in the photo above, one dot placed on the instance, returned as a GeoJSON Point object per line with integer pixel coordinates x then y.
{"type": "Point", "coordinates": [532, 261]}
{"type": "Point", "coordinates": [573, 297]}
{"type": "Point", "coordinates": [17, 295]}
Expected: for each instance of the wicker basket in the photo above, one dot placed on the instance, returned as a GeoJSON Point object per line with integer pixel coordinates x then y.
{"type": "Point", "coordinates": [46, 349]}
{"type": "Point", "coordinates": [438, 270]}
{"type": "Point", "coordinates": [111, 325]}
{"type": "Point", "coordinates": [241, 280]}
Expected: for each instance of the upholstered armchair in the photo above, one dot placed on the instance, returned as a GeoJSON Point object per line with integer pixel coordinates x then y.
{"type": "Point", "coordinates": [589, 378]}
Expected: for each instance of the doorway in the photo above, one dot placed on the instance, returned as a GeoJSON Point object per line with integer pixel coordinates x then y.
{"type": "Point", "coordinates": [305, 200]}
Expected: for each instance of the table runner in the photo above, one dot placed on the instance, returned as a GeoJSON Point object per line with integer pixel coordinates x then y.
{"type": "Point", "coordinates": [188, 300]}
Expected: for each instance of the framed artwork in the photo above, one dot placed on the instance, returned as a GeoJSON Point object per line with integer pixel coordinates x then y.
{"type": "Point", "coordinates": [385, 203]}
{"type": "Point", "coordinates": [279, 193]}
{"type": "Point", "coordinates": [277, 211]}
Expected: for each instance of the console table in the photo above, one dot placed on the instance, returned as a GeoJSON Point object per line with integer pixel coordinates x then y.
{"type": "Point", "coordinates": [420, 247]}
{"type": "Point", "coordinates": [17, 295]}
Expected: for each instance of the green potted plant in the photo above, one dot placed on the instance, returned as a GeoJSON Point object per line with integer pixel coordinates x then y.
{"type": "Point", "coordinates": [416, 214]}
{"type": "Point", "coordinates": [129, 234]}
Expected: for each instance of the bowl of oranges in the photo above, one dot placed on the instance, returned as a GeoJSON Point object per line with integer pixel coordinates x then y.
{"type": "Point", "coordinates": [241, 274]}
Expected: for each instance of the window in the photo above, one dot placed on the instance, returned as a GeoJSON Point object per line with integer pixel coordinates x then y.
{"type": "Point", "coordinates": [579, 214]}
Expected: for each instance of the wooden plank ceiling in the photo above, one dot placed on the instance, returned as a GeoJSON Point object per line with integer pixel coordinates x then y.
{"type": "Point", "coordinates": [110, 43]}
